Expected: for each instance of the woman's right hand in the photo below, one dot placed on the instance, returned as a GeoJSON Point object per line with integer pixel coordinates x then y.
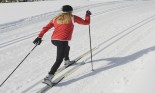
{"type": "Point", "coordinates": [37, 41]}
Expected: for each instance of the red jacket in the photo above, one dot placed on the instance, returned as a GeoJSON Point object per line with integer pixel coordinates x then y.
{"type": "Point", "coordinates": [64, 31]}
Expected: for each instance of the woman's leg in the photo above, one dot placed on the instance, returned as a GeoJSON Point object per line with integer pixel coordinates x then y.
{"type": "Point", "coordinates": [67, 53]}
{"type": "Point", "coordinates": [61, 51]}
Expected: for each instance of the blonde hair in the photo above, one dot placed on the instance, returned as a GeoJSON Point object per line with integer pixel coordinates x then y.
{"type": "Point", "coordinates": [64, 18]}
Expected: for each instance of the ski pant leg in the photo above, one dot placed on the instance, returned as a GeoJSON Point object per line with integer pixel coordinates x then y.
{"type": "Point", "coordinates": [61, 52]}
{"type": "Point", "coordinates": [67, 52]}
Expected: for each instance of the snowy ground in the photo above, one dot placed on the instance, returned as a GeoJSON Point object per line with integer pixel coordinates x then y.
{"type": "Point", "coordinates": [123, 31]}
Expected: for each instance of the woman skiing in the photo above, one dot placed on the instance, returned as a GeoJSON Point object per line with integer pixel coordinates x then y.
{"type": "Point", "coordinates": [63, 29]}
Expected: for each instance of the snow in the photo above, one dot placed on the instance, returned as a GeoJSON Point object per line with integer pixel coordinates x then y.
{"type": "Point", "coordinates": [122, 31]}
{"type": "Point", "coordinates": [10, 11]}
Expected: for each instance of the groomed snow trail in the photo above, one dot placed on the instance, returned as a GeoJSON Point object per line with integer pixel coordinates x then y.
{"type": "Point", "coordinates": [124, 61]}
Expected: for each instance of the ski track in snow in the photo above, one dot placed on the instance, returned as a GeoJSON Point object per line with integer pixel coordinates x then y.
{"type": "Point", "coordinates": [123, 63]}
{"type": "Point", "coordinates": [4, 44]}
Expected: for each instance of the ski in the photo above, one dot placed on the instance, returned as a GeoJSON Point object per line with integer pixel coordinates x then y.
{"type": "Point", "coordinates": [73, 61]}
{"type": "Point", "coordinates": [62, 68]}
{"type": "Point", "coordinates": [55, 82]}
{"type": "Point", "coordinates": [60, 78]}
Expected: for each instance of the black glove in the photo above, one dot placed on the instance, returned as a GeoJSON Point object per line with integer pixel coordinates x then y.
{"type": "Point", "coordinates": [88, 12]}
{"type": "Point", "coordinates": [37, 41]}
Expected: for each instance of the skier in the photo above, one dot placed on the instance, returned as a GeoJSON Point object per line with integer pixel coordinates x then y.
{"type": "Point", "coordinates": [63, 29]}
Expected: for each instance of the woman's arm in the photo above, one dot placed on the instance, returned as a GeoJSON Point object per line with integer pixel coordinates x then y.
{"type": "Point", "coordinates": [45, 29]}
{"type": "Point", "coordinates": [82, 21]}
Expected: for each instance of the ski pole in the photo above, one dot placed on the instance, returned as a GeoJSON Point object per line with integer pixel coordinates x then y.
{"type": "Point", "coordinates": [18, 65]}
{"type": "Point", "coordinates": [91, 48]}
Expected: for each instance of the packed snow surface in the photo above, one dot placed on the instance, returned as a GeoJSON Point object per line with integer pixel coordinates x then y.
{"type": "Point", "coordinates": [122, 31]}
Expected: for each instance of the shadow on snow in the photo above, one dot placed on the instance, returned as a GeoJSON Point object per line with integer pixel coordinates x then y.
{"type": "Point", "coordinates": [113, 62]}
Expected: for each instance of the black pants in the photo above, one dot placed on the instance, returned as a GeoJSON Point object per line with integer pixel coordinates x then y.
{"type": "Point", "coordinates": [62, 53]}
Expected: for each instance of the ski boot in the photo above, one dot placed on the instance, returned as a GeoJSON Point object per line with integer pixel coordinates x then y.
{"type": "Point", "coordinates": [48, 80]}
{"type": "Point", "coordinates": [68, 62]}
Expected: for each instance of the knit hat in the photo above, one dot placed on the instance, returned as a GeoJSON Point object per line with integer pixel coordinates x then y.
{"type": "Point", "coordinates": [67, 8]}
